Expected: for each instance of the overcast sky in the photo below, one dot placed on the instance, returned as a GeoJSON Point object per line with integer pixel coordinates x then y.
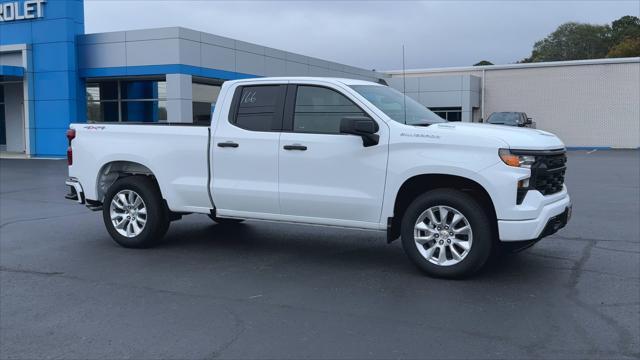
{"type": "Point", "coordinates": [368, 34]}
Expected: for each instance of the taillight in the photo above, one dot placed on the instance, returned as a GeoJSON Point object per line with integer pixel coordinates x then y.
{"type": "Point", "coordinates": [71, 134]}
{"type": "Point", "coordinates": [69, 156]}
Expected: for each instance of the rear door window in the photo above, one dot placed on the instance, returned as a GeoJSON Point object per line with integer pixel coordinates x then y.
{"type": "Point", "coordinates": [259, 108]}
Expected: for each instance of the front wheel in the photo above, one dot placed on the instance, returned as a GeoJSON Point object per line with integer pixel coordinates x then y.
{"type": "Point", "coordinates": [134, 213]}
{"type": "Point", "coordinates": [447, 233]}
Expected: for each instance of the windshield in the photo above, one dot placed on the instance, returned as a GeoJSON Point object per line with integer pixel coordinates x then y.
{"type": "Point", "coordinates": [508, 118]}
{"type": "Point", "coordinates": [392, 103]}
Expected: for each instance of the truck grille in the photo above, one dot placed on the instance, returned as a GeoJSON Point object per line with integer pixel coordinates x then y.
{"type": "Point", "coordinates": [547, 173]}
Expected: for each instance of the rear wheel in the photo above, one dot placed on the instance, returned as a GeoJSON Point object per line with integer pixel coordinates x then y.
{"type": "Point", "coordinates": [134, 213]}
{"type": "Point", "coordinates": [446, 233]}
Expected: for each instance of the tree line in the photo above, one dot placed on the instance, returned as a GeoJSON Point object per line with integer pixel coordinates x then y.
{"type": "Point", "coordinates": [580, 41]}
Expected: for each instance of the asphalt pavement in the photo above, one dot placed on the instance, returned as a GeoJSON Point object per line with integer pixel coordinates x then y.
{"type": "Point", "coordinates": [266, 290]}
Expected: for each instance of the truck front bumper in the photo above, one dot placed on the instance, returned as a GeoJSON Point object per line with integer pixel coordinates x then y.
{"type": "Point", "coordinates": [552, 217]}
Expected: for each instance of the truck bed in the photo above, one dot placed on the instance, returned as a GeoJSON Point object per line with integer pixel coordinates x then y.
{"type": "Point", "coordinates": [174, 152]}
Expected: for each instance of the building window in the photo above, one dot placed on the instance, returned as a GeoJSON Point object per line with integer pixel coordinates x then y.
{"type": "Point", "coordinates": [448, 113]}
{"type": "Point", "coordinates": [127, 100]}
{"type": "Point", "coordinates": [204, 100]}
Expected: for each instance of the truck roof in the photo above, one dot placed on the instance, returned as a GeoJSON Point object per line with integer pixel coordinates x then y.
{"type": "Point", "coordinates": [340, 81]}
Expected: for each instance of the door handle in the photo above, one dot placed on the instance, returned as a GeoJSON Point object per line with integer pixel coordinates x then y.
{"type": "Point", "coordinates": [295, 147]}
{"type": "Point", "coordinates": [230, 144]}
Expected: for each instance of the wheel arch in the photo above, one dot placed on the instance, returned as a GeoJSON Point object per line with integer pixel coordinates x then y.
{"type": "Point", "coordinates": [419, 184]}
{"type": "Point", "coordinates": [111, 171]}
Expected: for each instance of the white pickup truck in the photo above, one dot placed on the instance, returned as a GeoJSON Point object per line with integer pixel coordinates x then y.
{"type": "Point", "coordinates": [334, 152]}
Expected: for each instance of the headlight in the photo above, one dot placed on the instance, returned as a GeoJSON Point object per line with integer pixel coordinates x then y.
{"type": "Point", "coordinates": [524, 161]}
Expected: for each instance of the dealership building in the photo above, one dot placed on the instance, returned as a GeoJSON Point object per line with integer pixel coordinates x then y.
{"type": "Point", "coordinates": [52, 74]}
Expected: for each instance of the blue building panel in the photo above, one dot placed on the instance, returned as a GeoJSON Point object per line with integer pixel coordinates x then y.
{"type": "Point", "coordinates": [51, 142]}
{"type": "Point", "coordinates": [55, 56]}
{"type": "Point", "coordinates": [16, 71]}
{"type": "Point", "coordinates": [53, 114]}
{"type": "Point", "coordinates": [46, 31]}
{"type": "Point", "coordinates": [79, 28]}
{"type": "Point", "coordinates": [55, 85]}
{"type": "Point", "coordinates": [15, 33]}
{"type": "Point", "coordinates": [66, 9]}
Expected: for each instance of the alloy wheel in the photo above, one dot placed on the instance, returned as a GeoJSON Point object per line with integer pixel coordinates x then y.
{"type": "Point", "coordinates": [443, 235]}
{"type": "Point", "coordinates": [128, 213]}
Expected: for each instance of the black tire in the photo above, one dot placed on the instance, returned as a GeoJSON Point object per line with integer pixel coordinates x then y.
{"type": "Point", "coordinates": [157, 218]}
{"type": "Point", "coordinates": [482, 239]}
{"type": "Point", "coordinates": [225, 221]}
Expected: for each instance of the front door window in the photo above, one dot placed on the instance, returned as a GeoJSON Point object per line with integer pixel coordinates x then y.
{"type": "Point", "coordinates": [320, 110]}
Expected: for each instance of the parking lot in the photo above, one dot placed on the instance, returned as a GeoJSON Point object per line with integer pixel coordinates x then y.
{"type": "Point", "coordinates": [265, 290]}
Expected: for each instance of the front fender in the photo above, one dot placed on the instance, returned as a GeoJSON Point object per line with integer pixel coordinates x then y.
{"type": "Point", "coordinates": [408, 160]}
{"type": "Point", "coordinates": [393, 187]}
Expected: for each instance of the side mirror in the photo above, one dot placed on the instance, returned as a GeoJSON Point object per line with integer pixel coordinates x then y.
{"type": "Point", "coordinates": [529, 121]}
{"type": "Point", "coordinates": [361, 126]}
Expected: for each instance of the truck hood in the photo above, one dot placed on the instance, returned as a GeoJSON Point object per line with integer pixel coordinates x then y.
{"type": "Point", "coordinates": [515, 137]}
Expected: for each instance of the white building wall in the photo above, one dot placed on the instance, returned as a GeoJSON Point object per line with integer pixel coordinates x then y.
{"type": "Point", "coordinates": [590, 105]}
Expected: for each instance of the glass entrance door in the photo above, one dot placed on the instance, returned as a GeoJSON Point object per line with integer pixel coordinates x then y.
{"type": "Point", "coordinates": [12, 129]}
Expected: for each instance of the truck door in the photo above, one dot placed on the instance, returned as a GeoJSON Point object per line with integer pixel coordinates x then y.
{"type": "Point", "coordinates": [245, 151]}
{"type": "Point", "coordinates": [325, 174]}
